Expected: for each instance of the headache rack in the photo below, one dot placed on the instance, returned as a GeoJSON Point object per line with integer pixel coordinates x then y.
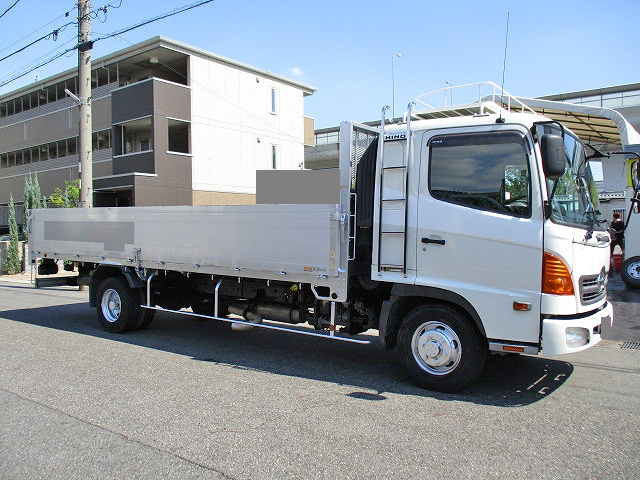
{"type": "Point", "coordinates": [472, 99]}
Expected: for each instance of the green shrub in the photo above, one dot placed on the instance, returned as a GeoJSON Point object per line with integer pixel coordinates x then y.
{"type": "Point", "coordinates": [13, 264]}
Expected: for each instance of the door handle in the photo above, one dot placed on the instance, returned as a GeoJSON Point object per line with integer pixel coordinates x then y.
{"type": "Point", "coordinates": [433, 240]}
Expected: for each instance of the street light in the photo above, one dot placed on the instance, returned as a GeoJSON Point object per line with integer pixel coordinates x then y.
{"type": "Point", "coordinates": [393, 83]}
{"type": "Point", "coordinates": [73, 95]}
{"type": "Point", "coordinates": [445, 95]}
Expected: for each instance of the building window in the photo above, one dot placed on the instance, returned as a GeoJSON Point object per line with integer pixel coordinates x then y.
{"type": "Point", "coordinates": [47, 151]}
{"type": "Point", "coordinates": [52, 93]}
{"type": "Point", "coordinates": [274, 156]}
{"type": "Point", "coordinates": [72, 146]}
{"type": "Point", "coordinates": [53, 151]}
{"type": "Point", "coordinates": [35, 154]}
{"type": "Point", "coordinates": [621, 211]}
{"type": "Point", "coordinates": [44, 152]}
{"type": "Point", "coordinates": [101, 140]}
{"type": "Point", "coordinates": [273, 101]}
{"type": "Point", "coordinates": [178, 133]}
{"type": "Point", "coordinates": [132, 137]}
{"type": "Point", "coordinates": [62, 148]}
{"type": "Point", "coordinates": [33, 99]}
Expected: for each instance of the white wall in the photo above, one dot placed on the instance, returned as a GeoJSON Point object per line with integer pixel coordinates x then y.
{"type": "Point", "coordinates": [614, 173]}
{"type": "Point", "coordinates": [230, 111]}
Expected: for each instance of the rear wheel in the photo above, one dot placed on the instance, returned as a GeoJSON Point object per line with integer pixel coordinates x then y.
{"type": "Point", "coordinates": [630, 271]}
{"type": "Point", "coordinates": [144, 319]}
{"type": "Point", "coordinates": [118, 305]}
{"type": "Point", "coordinates": [441, 348]}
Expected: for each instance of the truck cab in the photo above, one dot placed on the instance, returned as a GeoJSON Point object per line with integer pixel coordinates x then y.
{"type": "Point", "coordinates": [492, 215]}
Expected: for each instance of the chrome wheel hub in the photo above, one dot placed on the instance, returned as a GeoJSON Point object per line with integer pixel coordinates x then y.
{"type": "Point", "coordinates": [111, 305]}
{"type": "Point", "coordinates": [633, 269]}
{"type": "Point", "coordinates": [436, 348]}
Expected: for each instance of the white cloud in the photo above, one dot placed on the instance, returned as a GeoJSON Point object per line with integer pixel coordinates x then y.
{"type": "Point", "coordinates": [296, 71]}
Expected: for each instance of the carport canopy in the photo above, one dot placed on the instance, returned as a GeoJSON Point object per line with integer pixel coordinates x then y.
{"type": "Point", "coordinates": [594, 125]}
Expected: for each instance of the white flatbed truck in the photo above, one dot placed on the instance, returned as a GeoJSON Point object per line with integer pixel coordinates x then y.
{"type": "Point", "coordinates": [445, 236]}
{"type": "Point", "coordinates": [630, 269]}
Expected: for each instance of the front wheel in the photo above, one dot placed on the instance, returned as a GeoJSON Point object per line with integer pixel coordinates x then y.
{"type": "Point", "coordinates": [441, 348]}
{"type": "Point", "coordinates": [630, 272]}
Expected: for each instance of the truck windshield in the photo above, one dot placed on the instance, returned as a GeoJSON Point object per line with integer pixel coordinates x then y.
{"type": "Point", "coordinates": [573, 197]}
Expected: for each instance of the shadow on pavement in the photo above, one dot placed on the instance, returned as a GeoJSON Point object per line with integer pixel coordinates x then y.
{"type": "Point", "coordinates": [508, 381]}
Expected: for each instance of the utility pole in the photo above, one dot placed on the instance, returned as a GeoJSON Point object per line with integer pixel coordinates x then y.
{"type": "Point", "coordinates": [84, 94]}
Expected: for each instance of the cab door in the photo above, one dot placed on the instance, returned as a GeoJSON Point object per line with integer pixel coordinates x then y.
{"type": "Point", "coordinates": [480, 225]}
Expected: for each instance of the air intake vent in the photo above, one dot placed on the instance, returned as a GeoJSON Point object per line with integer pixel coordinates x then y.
{"type": "Point", "coordinates": [593, 288]}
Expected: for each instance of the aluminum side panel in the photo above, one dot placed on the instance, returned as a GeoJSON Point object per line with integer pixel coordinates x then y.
{"type": "Point", "coordinates": [301, 243]}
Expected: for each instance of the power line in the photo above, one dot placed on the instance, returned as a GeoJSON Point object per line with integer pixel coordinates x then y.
{"type": "Point", "coordinates": [9, 8]}
{"type": "Point", "coordinates": [55, 57]}
{"type": "Point", "coordinates": [160, 17]}
{"type": "Point", "coordinates": [113, 34]}
{"type": "Point", "coordinates": [66, 14]}
{"type": "Point", "coordinates": [53, 34]}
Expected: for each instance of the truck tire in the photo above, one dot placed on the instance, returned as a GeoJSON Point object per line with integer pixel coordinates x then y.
{"type": "Point", "coordinates": [441, 348]}
{"type": "Point", "coordinates": [144, 319]}
{"type": "Point", "coordinates": [118, 305]}
{"type": "Point", "coordinates": [630, 272]}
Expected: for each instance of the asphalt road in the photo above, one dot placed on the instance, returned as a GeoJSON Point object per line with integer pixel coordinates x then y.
{"type": "Point", "coordinates": [626, 308]}
{"type": "Point", "coordinates": [193, 399]}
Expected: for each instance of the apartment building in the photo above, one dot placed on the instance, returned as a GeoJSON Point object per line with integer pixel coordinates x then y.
{"type": "Point", "coordinates": [172, 125]}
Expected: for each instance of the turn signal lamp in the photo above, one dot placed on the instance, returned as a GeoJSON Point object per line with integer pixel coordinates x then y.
{"type": "Point", "coordinates": [556, 278]}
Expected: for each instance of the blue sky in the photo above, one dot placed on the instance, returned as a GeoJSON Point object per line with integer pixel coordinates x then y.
{"type": "Point", "coordinates": [345, 48]}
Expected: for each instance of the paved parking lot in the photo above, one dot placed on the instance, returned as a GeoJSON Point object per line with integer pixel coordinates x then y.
{"type": "Point", "coordinates": [626, 306]}
{"type": "Point", "coordinates": [193, 399]}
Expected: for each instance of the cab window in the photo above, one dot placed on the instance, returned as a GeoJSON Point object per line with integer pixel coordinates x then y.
{"type": "Point", "coordinates": [485, 171]}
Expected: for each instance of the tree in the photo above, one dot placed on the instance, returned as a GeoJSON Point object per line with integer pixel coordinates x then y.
{"type": "Point", "coordinates": [13, 264]}
{"type": "Point", "coordinates": [33, 198]}
{"type": "Point", "coordinates": [67, 198]}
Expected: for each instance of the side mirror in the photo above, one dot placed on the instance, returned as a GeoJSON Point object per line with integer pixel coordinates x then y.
{"type": "Point", "coordinates": [554, 158]}
{"type": "Point", "coordinates": [635, 175]}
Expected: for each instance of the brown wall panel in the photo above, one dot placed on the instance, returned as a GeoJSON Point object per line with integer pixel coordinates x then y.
{"type": "Point", "coordinates": [48, 181]}
{"type": "Point", "coordinates": [131, 102]}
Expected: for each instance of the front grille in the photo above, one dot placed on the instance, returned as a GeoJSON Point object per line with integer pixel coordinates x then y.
{"type": "Point", "coordinates": [593, 288]}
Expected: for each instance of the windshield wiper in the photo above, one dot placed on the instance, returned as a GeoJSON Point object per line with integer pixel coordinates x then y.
{"type": "Point", "coordinates": [592, 218]}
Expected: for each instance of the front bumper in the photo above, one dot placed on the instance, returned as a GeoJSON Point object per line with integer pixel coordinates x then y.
{"type": "Point", "coordinates": [563, 335]}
